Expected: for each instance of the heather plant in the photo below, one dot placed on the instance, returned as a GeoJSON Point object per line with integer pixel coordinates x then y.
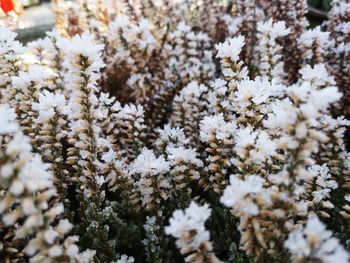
{"type": "Point", "coordinates": [176, 131]}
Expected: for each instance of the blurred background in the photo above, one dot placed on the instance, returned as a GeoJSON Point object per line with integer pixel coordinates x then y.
{"type": "Point", "coordinates": [32, 18]}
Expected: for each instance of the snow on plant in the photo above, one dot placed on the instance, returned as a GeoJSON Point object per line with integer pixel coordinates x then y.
{"type": "Point", "coordinates": [315, 243]}
{"type": "Point", "coordinates": [192, 237]}
{"type": "Point", "coordinates": [26, 210]}
{"type": "Point", "coordinates": [185, 167]}
{"type": "Point", "coordinates": [217, 135]}
{"type": "Point", "coordinates": [229, 52]}
{"type": "Point", "coordinates": [152, 185]}
{"type": "Point", "coordinates": [10, 51]}
{"type": "Point", "coordinates": [83, 62]}
{"type": "Point", "coordinates": [316, 40]}
{"type": "Point", "coordinates": [240, 194]}
{"type": "Point", "coordinates": [121, 128]}
{"type": "Point", "coordinates": [270, 63]}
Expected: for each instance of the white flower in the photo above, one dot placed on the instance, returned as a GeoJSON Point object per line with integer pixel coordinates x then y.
{"type": "Point", "coordinates": [283, 115]}
{"type": "Point", "coordinates": [188, 226]}
{"type": "Point", "coordinates": [28, 206]}
{"type": "Point", "coordinates": [6, 170]}
{"type": "Point", "coordinates": [82, 53]}
{"type": "Point", "coordinates": [257, 91]}
{"type": "Point", "coordinates": [109, 156]}
{"type": "Point", "coordinates": [35, 175]}
{"type": "Point", "coordinates": [147, 163]}
{"type": "Point", "coordinates": [342, 49]}
{"type": "Point", "coordinates": [50, 235]}
{"type": "Point", "coordinates": [18, 144]}
{"type": "Point", "coordinates": [55, 251]}
{"type": "Point", "coordinates": [315, 243]}
{"type": "Point", "coordinates": [230, 48]}
{"type": "Point", "coordinates": [6, 34]}
{"type": "Point", "coordinates": [274, 30]}
{"type": "Point", "coordinates": [86, 256]}
{"type": "Point", "coordinates": [236, 194]}
{"type": "Point", "coordinates": [176, 154]}
{"type": "Point", "coordinates": [148, 39]}
{"type": "Point", "coordinates": [9, 47]}
{"type": "Point", "coordinates": [125, 259]}
{"type": "Point", "coordinates": [49, 104]}
{"type": "Point", "coordinates": [343, 27]}
{"type": "Point", "coordinates": [193, 89]}
{"type": "Point", "coordinates": [100, 180]}
{"type": "Point", "coordinates": [317, 75]}
{"type": "Point", "coordinates": [130, 111]}
{"type": "Point", "coordinates": [7, 120]}
{"type": "Point", "coordinates": [320, 100]}
{"type": "Point", "coordinates": [64, 226]}
{"type": "Point", "coordinates": [264, 148]}
{"type": "Point", "coordinates": [183, 27]}
{"type": "Point", "coordinates": [22, 81]}
{"type": "Point", "coordinates": [119, 22]}
{"type": "Point", "coordinates": [172, 137]}
{"type": "Point", "coordinates": [297, 244]}
{"type": "Point", "coordinates": [72, 250]}
{"type": "Point", "coordinates": [244, 138]}
{"type": "Point", "coordinates": [240, 188]}
{"type": "Point", "coordinates": [216, 125]}
{"type": "Point", "coordinates": [85, 45]}
{"type": "Point", "coordinates": [313, 37]}
{"type": "Point", "coordinates": [39, 73]}
{"type": "Point", "coordinates": [347, 198]}
{"type": "Point", "coordinates": [323, 181]}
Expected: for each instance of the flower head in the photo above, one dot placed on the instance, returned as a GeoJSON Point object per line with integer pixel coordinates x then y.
{"type": "Point", "coordinates": [230, 48]}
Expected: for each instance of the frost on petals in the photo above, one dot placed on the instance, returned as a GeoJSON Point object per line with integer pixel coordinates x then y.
{"type": "Point", "coordinates": [187, 226]}
{"type": "Point", "coordinates": [316, 243]}
{"type": "Point", "coordinates": [230, 48]}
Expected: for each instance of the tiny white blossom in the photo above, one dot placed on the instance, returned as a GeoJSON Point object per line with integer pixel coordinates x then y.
{"type": "Point", "coordinates": [7, 120]}
{"type": "Point", "coordinates": [125, 259]}
{"type": "Point", "coordinates": [183, 223]}
{"type": "Point", "coordinates": [315, 34]}
{"type": "Point", "coordinates": [185, 155]}
{"type": "Point", "coordinates": [315, 243]}
{"type": "Point", "coordinates": [64, 226]}
{"type": "Point", "coordinates": [230, 48]}
{"type": "Point", "coordinates": [50, 235]}
{"type": "Point", "coordinates": [216, 125]}
{"type": "Point", "coordinates": [236, 194]}
{"type": "Point", "coordinates": [48, 105]}
{"type": "Point", "coordinates": [317, 75]}
{"type": "Point", "coordinates": [86, 256]}
{"type": "Point", "coordinates": [275, 30]}
{"type": "Point", "coordinates": [147, 163]}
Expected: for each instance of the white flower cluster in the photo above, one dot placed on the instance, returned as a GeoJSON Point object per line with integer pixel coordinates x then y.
{"type": "Point", "coordinates": [9, 50]}
{"type": "Point", "coordinates": [49, 105]}
{"type": "Point", "coordinates": [190, 57]}
{"type": "Point", "coordinates": [323, 182]}
{"type": "Point", "coordinates": [315, 243]}
{"type": "Point", "coordinates": [230, 49]}
{"type": "Point", "coordinates": [228, 52]}
{"type": "Point", "coordinates": [189, 110]}
{"type": "Point", "coordinates": [270, 63]}
{"type": "Point", "coordinates": [152, 184]}
{"type": "Point", "coordinates": [240, 194]}
{"type": "Point", "coordinates": [192, 237]}
{"type": "Point", "coordinates": [83, 62]}
{"type": "Point", "coordinates": [25, 206]}
{"type": "Point", "coordinates": [315, 39]}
